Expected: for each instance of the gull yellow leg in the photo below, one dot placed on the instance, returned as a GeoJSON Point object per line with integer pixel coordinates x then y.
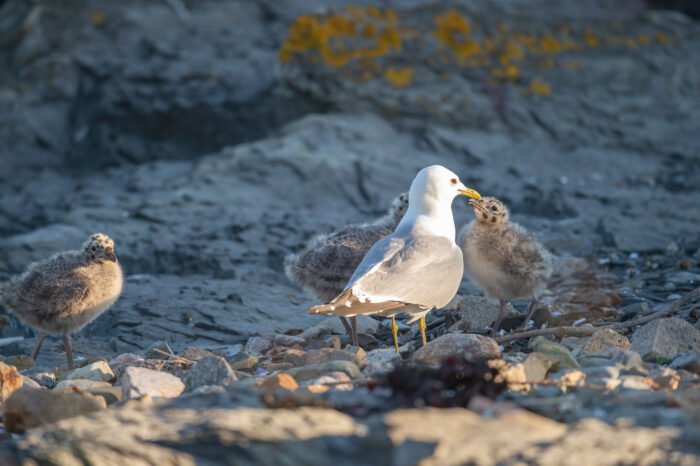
{"type": "Point", "coordinates": [395, 331]}
{"type": "Point", "coordinates": [421, 325]}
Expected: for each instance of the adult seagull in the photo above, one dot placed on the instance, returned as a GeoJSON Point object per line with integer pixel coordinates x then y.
{"type": "Point", "coordinates": [416, 268]}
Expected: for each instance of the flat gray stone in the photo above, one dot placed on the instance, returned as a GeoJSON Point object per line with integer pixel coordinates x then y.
{"type": "Point", "coordinates": [212, 370]}
{"type": "Point", "coordinates": [663, 339]}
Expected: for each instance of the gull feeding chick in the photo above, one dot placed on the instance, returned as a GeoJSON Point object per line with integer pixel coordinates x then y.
{"type": "Point", "coordinates": [324, 266]}
{"type": "Point", "coordinates": [64, 293]}
{"type": "Point", "coordinates": [504, 259]}
{"type": "Point", "coordinates": [416, 268]}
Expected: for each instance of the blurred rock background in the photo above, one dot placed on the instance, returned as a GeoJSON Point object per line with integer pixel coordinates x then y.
{"type": "Point", "coordinates": [211, 138]}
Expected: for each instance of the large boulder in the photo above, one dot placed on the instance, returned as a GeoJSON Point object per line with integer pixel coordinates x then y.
{"type": "Point", "coordinates": [452, 344]}
{"type": "Point", "coordinates": [28, 408]}
{"type": "Point", "coordinates": [665, 338]}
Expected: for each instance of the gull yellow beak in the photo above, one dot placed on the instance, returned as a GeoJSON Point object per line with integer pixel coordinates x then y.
{"type": "Point", "coordinates": [470, 193]}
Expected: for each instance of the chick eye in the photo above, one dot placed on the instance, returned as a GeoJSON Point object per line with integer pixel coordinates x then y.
{"type": "Point", "coordinates": [453, 181]}
{"type": "Point", "coordinates": [93, 248]}
{"type": "Point", "coordinates": [494, 208]}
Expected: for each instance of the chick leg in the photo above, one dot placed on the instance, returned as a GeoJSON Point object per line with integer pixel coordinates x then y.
{"type": "Point", "coordinates": [353, 324]}
{"type": "Point", "coordinates": [501, 313]}
{"type": "Point", "coordinates": [421, 325]}
{"type": "Point", "coordinates": [530, 312]}
{"type": "Point", "coordinates": [39, 340]}
{"type": "Point", "coordinates": [344, 321]}
{"type": "Point", "coordinates": [395, 332]}
{"type": "Point", "coordinates": [69, 350]}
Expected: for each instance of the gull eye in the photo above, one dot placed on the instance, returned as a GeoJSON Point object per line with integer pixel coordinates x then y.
{"type": "Point", "coordinates": [93, 248]}
{"type": "Point", "coordinates": [453, 181]}
{"type": "Point", "coordinates": [494, 208]}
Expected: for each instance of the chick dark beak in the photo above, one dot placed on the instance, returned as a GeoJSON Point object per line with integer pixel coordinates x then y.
{"type": "Point", "coordinates": [477, 204]}
{"type": "Point", "coordinates": [112, 257]}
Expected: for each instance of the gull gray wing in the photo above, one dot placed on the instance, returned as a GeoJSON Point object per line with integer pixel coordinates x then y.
{"type": "Point", "coordinates": [426, 270]}
{"type": "Point", "coordinates": [381, 252]}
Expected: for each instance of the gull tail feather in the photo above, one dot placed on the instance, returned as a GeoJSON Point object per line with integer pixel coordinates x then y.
{"type": "Point", "coordinates": [347, 304]}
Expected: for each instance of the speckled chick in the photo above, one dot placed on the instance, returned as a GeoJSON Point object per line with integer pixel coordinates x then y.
{"type": "Point", "coordinates": [64, 293]}
{"type": "Point", "coordinates": [504, 259]}
{"type": "Point", "coordinates": [322, 269]}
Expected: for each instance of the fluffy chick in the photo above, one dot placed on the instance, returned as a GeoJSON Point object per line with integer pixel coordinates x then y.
{"type": "Point", "coordinates": [64, 293]}
{"type": "Point", "coordinates": [322, 269]}
{"type": "Point", "coordinates": [504, 259]}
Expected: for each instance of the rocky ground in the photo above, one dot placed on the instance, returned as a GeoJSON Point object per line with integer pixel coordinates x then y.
{"type": "Point", "coordinates": [210, 139]}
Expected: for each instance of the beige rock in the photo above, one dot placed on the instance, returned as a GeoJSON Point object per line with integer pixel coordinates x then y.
{"type": "Point", "coordinates": [305, 358]}
{"type": "Point", "coordinates": [475, 346]}
{"type": "Point", "coordinates": [29, 383]}
{"type": "Point", "coordinates": [20, 361]}
{"type": "Point", "coordinates": [28, 408]}
{"type": "Point", "coordinates": [83, 384]}
{"type": "Point", "coordinates": [110, 394]}
{"type": "Point", "coordinates": [333, 378]}
{"type": "Point", "coordinates": [512, 374]}
{"type": "Point", "coordinates": [10, 380]}
{"type": "Point", "coordinates": [605, 338]}
{"type": "Point", "coordinates": [138, 381]}
{"type": "Point", "coordinates": [99, 371]}
{"type": "Point", "coordinates": [314, 371]}
{"type": "Point", "coordinates": [242, 360]}
{"type": "Point", "coordinates": [194, 353]}
{"type": "Point", "coordinates": [284, 381]}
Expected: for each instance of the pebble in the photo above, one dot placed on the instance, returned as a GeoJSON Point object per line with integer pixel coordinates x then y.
{"type": "Point", "coordinates": [314, 371]}
{"type": "Point", "coordinates": [279, 381]}
{"type": "Point", "coordinates": [477, 346]}
{"type": "Point", "coordinates": [29, 407]}
{"type": "Point", "coordinates": [257, 346]}
{"type": "Point", "coordinates": [29, 383]}
{"type": "Point", "coordinates": [10, 380]}
{"type": "Point", "coordinates": [304, 358]}
{"type": "Point", "coordinates": [634, 382]}
{"type": "Point", "coordinates": [98, 370]}
{"type": "Point", "coordinates": [195, 353]}
{"type": "Point", "coordinates": [212, 370]}
{"type": "Point", "coordinates": [288, 340]}
{"type": "Point", "coordinates": [560, 356]}
{"type": "Point", "coordinates": [479, 312]}
{"type": "Point", "coordinates": [242, 360]}
{"type": "Point", "coordinates": [138, 381]}
{"type": "Point", "coordinates": [41, 375]}
{"type": "Point", "coordinates": [663, 339]}
{"type": "Point", "coordinates": [537, 365]}
{"type": "Point", "coordinates": [110, 394]}
{"type": "Point", "coordinates": [20, 361]}
{"type": "Point", "coordinates": [604, 338]}
{"type": "Point", "coordinates": [83, 384]}
{"type": "Point", "coordinates": [332, 378]}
